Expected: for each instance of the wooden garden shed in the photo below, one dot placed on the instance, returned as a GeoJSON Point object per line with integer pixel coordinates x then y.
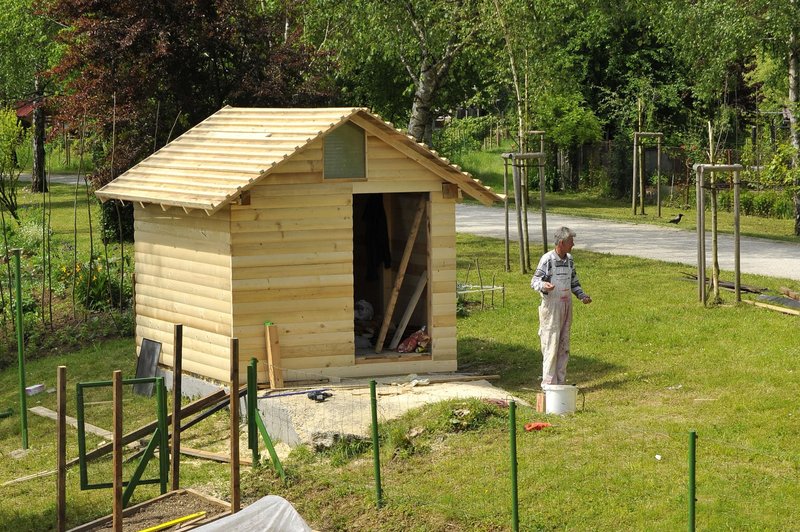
{"type": "Point", "coordinates": [291, 216]}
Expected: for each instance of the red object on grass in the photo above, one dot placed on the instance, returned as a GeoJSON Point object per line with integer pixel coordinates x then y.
{"type": "Point", "coordinates": [536, 426]}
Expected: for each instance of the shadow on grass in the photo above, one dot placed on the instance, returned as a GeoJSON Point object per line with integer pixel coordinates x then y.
{"type": "Point", "coordinates": [520, 366]}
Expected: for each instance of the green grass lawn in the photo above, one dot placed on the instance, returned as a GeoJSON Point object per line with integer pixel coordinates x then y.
{"type": "Point", "coordinates": [653, 365]}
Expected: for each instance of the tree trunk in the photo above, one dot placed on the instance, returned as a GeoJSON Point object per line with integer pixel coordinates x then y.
{"type": "Point", "coordinates": [38, 182]}
{"type": "Point", "coordinates": [795, 135]}
{"type": "Point", "coordinates": [420, 126]}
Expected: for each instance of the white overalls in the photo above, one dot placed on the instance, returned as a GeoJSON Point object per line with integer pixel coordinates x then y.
{"type": "Point", "coordinates": [555, 315]}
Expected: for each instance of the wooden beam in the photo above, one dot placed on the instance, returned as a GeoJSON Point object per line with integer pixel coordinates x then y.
{"type": "Point", "coordinates": [216, 457]}
{"type": "Point", "coordinates": [234, 408]}
{"type": "Point", "coordinates": [177, 371]}
{"type": "Point", "coordinates": [773, 307]}
{"type": "Point", "coordinates": [274, 370]}
{"type": "Point", "coordinates": [61, 449]}
{"type": "Point", "coordinates": [401, 273]}
{"type": "Point", "coordinates": [449, 191]}
{"type": "Point", "coordinates": [412, 304]}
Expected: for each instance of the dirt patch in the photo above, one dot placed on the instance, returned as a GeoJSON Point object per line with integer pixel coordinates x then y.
{"type": "Point", "coordinates": [173, 505]}
{"type": "Point", "coordinates": [294, 418]}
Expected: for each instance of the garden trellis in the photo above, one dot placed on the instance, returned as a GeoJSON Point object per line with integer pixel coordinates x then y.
{"type": "Point", "coordinates": [520, 163]}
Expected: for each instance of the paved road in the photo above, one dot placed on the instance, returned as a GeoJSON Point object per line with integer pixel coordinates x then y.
{"type": "Point", "coordinates": [667, 243]}
{"type": "Point", "coordinates": [69, 179]}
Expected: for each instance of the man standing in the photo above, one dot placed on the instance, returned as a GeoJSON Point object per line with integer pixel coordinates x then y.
{"type": "Point", "coordinates": [554, 279]}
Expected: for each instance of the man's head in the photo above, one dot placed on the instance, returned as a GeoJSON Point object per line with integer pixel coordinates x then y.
{"type": "Point", "coordinates": [564, 240]}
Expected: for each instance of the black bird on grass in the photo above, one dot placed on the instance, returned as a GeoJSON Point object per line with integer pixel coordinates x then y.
{"type": "Point", "coordinates": [676, 219]}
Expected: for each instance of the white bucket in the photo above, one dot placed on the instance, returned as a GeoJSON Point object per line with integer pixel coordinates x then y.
{"type": "Point", "coordinates": [560, 398]}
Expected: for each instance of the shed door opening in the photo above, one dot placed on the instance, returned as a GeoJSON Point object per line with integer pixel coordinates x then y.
{"type": "Point", "coordinates": [382, 226]}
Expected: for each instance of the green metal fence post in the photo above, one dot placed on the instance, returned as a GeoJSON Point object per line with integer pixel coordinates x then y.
{"type": "Point", "coordinates": [692, 499]}
{"type": "Point", "coordinates": [512, 429]}
{"type": "Point", "coordinates": [376, 452]}
{"type": "Point", "coordinates": [23, 407]}
{"type": "Point", "coordinates": [84, 476]}
{"type": "Point", "coordinates": [163, 444]}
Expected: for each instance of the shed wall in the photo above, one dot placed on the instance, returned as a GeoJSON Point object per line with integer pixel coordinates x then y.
{"type": "Point", "coordinates": [183, 272]}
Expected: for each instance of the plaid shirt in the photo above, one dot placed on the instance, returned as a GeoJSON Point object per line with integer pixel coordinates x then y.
{"type": "Point", "coordinates": [547, 265]}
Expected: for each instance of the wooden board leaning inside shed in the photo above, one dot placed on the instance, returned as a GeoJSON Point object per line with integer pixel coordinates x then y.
{"type": "Point", "coordinates": [382, 224]}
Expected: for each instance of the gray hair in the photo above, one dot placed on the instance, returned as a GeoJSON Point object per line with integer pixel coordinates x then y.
{"type": "Point", "coordinates": [563, 233]}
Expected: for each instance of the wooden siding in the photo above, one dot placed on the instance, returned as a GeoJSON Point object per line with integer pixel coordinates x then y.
{"type": "Point", "coordinates": [442, 279]}
{"type": "Point", "coordinates": [183, 273]}
{"type": "Point", "coordinates": [292, 256]}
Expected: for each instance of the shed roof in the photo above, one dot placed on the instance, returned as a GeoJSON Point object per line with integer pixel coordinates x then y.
{"type": "Point", "coordinates": [213, 163]}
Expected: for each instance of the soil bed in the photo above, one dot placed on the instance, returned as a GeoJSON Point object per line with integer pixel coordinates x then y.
{"type": "Point", "coordinates": [172, 505]}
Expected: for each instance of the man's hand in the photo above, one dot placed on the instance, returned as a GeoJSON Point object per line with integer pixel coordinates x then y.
{"type": "Point", "coordinates": [586, 300]}
{"type": "Point", "coordinates": [547, 287]}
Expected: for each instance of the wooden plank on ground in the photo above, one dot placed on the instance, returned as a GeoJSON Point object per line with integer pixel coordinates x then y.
{"type": "Point", "coordinates": [208, 455]}
{"type": "Point", "coordinates": [46, 412]}
{"type": "Point", "coordinates": [773, 307]}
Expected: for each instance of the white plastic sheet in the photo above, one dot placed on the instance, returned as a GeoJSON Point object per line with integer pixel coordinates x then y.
{"type": "Point", "coordinates": [269, 514]}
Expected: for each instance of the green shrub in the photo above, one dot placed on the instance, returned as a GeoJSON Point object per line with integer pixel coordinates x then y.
{"type": "Point", "coordinates": [98, 287]}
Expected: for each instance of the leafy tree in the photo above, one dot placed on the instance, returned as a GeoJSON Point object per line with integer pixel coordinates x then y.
{"type": "Point", "coordinates": [11, 135]}
{"type": "Point", "coordinates": [27, 50]}
{"type": "Point", "coordinates": [418, 40]}
{"type": "Point", "coordinates": [149, 69]}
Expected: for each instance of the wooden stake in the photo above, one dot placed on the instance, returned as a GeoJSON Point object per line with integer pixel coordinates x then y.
{"type": "Point", "coordinates": [61, 453]}
{"type": "Point", "coordinates": [177, 370]}
{"type": "Point", "coordinates": [401, 273]}
{"type": "Point", "coordinates": [274, 371]}
{"type": "Point", "coordinates": [117, 446]}
{"type": "Point", "coordinates": [234, 408]}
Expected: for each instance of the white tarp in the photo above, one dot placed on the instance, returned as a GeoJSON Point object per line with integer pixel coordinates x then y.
{"type": "Point", "coordinates": [268, 514]}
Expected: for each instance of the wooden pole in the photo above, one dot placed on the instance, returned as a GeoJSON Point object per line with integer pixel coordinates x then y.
{"type": "Point", "coordinates": [635, 165]}
{"type": "Point", "coordinates": [515, 172]}
{"type": "Point", "coordinates": [61, 453]}
{"type": "Point", "coordinates": [658, 173]}
{"type": "Point", "coordinates": [505, 208]}
{"type": "Point", "coordinates": [541, 193]}
{"type": "Point", "coordinates": [641, 179]}
{"type": "Point", "coordinates": [117, 445]}
{"type": "Point", "coordinates": [524, 186]}
{"type": "Point", "coordinates": [401, 273]}
{"type": "Point", "coordinates": [177, 370]}
{"type": "Point", "coordinates": [701, 237]}
{"type": "Point", "coordinates": [234, 408]}
{"type": "Point", "coordinates": [736, 238]}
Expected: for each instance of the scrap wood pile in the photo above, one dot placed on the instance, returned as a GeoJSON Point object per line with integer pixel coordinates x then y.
{"type": "Point", "coordinates": [788, 303]}
{"type": "Point", "coordinates": [727, 284]}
